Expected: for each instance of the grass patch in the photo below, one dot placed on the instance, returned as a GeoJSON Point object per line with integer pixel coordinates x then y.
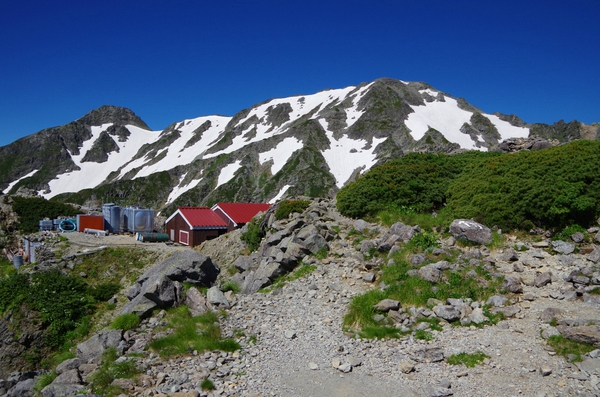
{"type": "Point", "coordinates": [43, 381]}
{"type": "Point", "coordinates": [301, 271]}
{"type": "Point", "coordinates": [126, 322]}
{"type": "Point", "coordinates": [423, 335]}
{"type": "Point", "coordinates": [434, 323]}
{"type": "Point", "coordinates": [231, 286]}
{"type": "Point", "coordinates": [207, 384]}
{"type": "Point", "coordinates": [380, 332]}
{"type": "Point", "coordinates": [411, 290]}
{"type": "Point", "coordinates": [470, 360]}
{"type": "Point", "coordinates": [569, 349]}
{"type": "Point", "coordinates": [595, 291]}
{"type": "Point", "coordinates": [110, 265]}
{"type": "Point", "coordinates": [111, 369]}
{"type": "Point", "coordinates": [199, 333]}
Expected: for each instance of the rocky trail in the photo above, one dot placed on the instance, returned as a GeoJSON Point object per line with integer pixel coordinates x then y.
{"type": "Point", "coordinates": [293, 341]}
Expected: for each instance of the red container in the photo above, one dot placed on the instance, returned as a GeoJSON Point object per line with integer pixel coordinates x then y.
{"type": "Point", "coordinates": [90, 222]}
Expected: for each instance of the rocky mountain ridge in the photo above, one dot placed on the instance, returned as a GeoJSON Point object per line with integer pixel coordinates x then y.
{"type": "Point", "coordinates": [303, 145]}
{"type": "Point", "coordinates": [294, 342]}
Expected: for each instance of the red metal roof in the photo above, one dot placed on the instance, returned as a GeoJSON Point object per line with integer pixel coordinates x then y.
{"type": "Point", "coordinates": [202, 217]}
{"type": "Point", "coordinates": [242, 212]}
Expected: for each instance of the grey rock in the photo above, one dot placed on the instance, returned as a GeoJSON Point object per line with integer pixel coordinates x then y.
{"type": "Point", "coordinates": [316, 243]}
{"type": "Point", "coordinates": [512, 284]}
{"type": "Point", "coordinates": [23, 388]}
{"type": "Point", "coordinates": [577, 237]}
{"type": "Point", "coordinates": [476, 317]}
{"type": "Point", "coordinates": [161, 284]}
{"type": "Point", "coordinates": [91, 350]}
{"type": "Point", "coordinates": [430, 273]}
{"type": "Point", "coordinates": [196, 302]}
{"type": "Point", "coordinates": [428, 355]}
{"type": "Point", "coordinates": [388, 242]}
{"type": "Point", "coordinates": [550, 313]}
{"type": "Point", "coordinates": [497, 300]}
{"type": "Point", "coordinates": [594, 256]}
{"type": "Point", "coordinates": [563, 247]}
{"type": "Point", "coordinates": [404, 232]}
{"type": "Point", "coordinates": [61, 390]}
{"type": "Point", "coordinates": [216, 297]}
{"type": "Point", "coordinates": [590, 299]}
{"type": "Point", "coordinates": [542, 279]}
{"type": "Point", "coordinates": [550, 331]}
{"type": "Point", "coordinates": [243, 263]}
{"type": "Point", "coordinates": [418, 259]}
{"type": "Point", "coordinates": [589, 334]}
{"type": "Point", "coordinates": [360, 225]}
{"type": "Point", "coordinates": [369, 277]}
{"type": "Point", "coordinates": [508, 311]}
{"type": "Point", "coordinates": [471, 231]}
{"type": "Point", "coordinates": [589, 365]}
{"type": "Point", "coordinates": [67, 365]}
{"type": "Point", "coordinates": [510, 255]}
{"type": "Point", "coordinates": [69, 377]}
{"type": "Point", "coordinates": [447, 312]}
{"type": "Point", "coordinates": [387, 305]}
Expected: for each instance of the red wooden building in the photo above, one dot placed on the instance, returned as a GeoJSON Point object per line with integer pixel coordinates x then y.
{"type": "Point", "coordinates": [194, 225]}
{"type": "Point", "coordinates": [238, 214]}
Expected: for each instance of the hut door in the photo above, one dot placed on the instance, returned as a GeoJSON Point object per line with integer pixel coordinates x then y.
{"type": "Point", "coordinates": [184, 237]}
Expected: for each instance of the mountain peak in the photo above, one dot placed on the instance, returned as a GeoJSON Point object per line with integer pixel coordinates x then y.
{"type": "Point", "coordinates": [113, 114]}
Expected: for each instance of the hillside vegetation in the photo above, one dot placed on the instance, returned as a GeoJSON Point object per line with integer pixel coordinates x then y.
{"type": "Point", "coordinates": [551, 188]}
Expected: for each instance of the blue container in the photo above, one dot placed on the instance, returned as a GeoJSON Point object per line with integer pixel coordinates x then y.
{"type": "Point", "coordinates": [46, 225]}
{"type": "Point", "coordinates": [18, 261]}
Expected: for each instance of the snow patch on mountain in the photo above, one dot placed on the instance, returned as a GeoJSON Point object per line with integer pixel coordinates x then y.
{"type": "Point", "coordinates": [352, 113]}
{"type": "Point", "coordinates": [280, 194]}
{"type": "Point", "coordinates": [179, 189]}
{"type": "Point", "coordinates": [13, 183]}
{"type": "Point", "coordinates": [280, 154]}
{"type": "Point", "coordinates": [177, 153]}
{"type": "Point", "coordinates": [346, 155]}
{"type": "Point", "coordinates": [446, 117]}
{"type": "Point", "coordinates": [228, 172]}
{"type": "Point", "coordinates": [506, 129]}
{"type": "Point", "coordinates": [92, 174]}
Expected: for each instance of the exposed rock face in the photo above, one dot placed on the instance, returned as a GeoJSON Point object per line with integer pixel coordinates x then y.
{"type": "Point", "coordinates": [160, 286]}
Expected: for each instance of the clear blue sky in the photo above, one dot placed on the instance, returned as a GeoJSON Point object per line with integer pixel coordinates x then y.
{"type": "Point", "coordinates": [172, 60]}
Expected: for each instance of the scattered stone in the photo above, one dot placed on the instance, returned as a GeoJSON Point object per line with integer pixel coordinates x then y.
{"type": "Point", "coordinates": [563, 247]}
{"type": "Point", "coordinates": [386, 305]}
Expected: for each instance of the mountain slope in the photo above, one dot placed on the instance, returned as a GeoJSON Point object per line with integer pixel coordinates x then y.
{"type": "Point", "coordinates": [302, 145]}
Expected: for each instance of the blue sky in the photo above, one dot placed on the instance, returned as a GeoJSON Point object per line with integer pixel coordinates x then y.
{"type": "Point", "coordinates": [168, 61]}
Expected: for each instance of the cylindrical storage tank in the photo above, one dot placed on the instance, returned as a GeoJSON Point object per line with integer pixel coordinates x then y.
{"type": "Point", "coordinates": [137, 219]}
{"type": "Point", "coordinates": [115, 219]}
{"type": "Point", "coordinates": [45, 225]}
{"type": "Point", "coordinates": [55, 223]}
{"type": "Point", "coordinates": [18, 261]}
{"type": "Point", "coordinates": [153, 237]}
{"type": "Point", "coordinates": [112, 217]}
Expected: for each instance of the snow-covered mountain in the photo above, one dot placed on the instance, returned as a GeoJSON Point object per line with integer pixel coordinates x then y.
{"type": "Point", "coordinates": [302, 145]}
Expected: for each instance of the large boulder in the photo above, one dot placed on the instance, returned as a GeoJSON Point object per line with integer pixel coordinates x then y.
{"type": "Point", "coordinates": [404, 232]}
{"type": "Point", "coordinates": [589, 334]}
{"type": "Point", "coordinates": [471, 231]}
{"type": "Point", "coordinates": [160, 286]}
{"type": "Point", "coordinates": [92, 349]}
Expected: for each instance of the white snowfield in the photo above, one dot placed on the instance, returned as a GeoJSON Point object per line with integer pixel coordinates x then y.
{"type": "Point", "coordinates": [448, 118]}
{"type": "Point", "coordinates": [343, 157]}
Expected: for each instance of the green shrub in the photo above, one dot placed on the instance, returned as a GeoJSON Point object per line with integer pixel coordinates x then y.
{"type": "Point", "coordinates": [567, 232]}
{"type": "Point", "coordinates": [43, 381]}
{"type": "Point", "coordinates": [14, 290]}
{"type": "Point", "coordinates": [551, 188]}
{"type": "Point", "coordinates": [31, 210]}
{"type": "Point", "coordinates": [286, 207]}
{"type": "Point", "coordinates": [62, 300]}
{"type": "Point", "coordinates": [126, 322]}
{"type": "Point", "coordinates": [101, 379]}
{"type": "Point", "coordinates": [254, 234]}
{"type": "Point", "coordinates": [416, 182]}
